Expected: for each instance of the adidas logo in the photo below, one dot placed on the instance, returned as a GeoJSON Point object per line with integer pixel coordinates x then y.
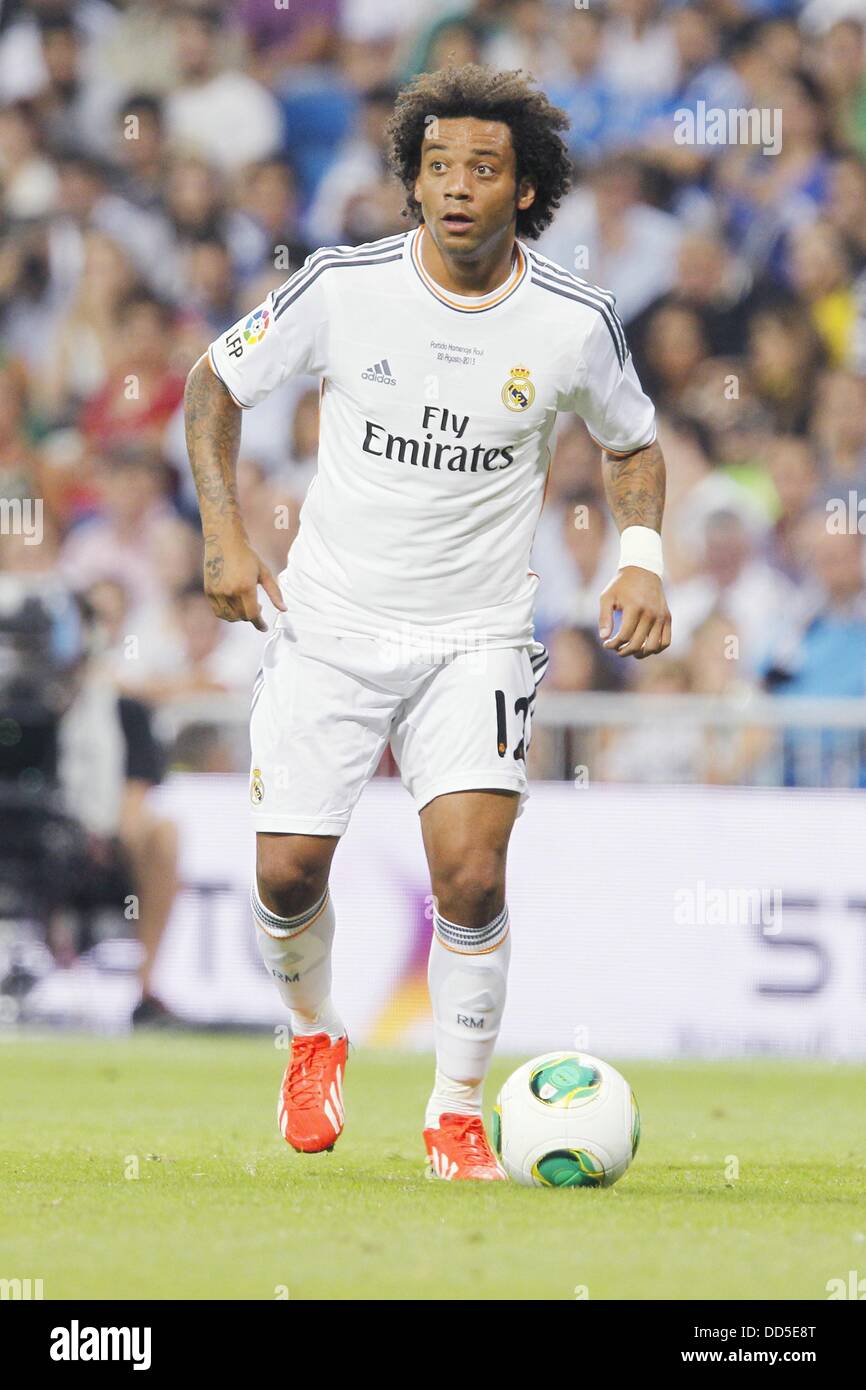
{"type": "Point", "coordinates": [440, 1165]}
{"type": "Point", "coordinates": [380, 373]}
{"type": "Point", "coordinates": [334, 1104]}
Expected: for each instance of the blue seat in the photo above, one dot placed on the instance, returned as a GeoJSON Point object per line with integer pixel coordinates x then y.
{"type": "Point", "coordinates": [317, 119]}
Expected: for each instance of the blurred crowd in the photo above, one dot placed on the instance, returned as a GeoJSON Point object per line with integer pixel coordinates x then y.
{"type": "Point", "coordinates": [163, 165]}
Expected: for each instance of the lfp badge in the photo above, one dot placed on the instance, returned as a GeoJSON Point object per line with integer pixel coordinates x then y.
{"type": "Point", "coordinates": [256, 326]}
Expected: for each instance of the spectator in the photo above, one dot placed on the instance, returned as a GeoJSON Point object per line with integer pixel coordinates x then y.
{"type": "Point", "coordinates": [727, 753]}
{"type": "Point", "coordinates": [640, 55]}
{"type": "Point", "coordinates": [227, 117]}
{"type": "Point", "coordinates": [289, 37]}
{"type": "Point", "coordinates": [138, 50]}
{"type": "Point", "coordinates": [584, 91]}
{"type": "Point", "coordinates": [75, 111]}
{"type": "Point", "coordinates": [211, 287]}
{"type": "Point", "coordinates": [20, 474]}
{"type": "Point", "coordinates": [785, 354]}
{"type": "Point", "coordinates": [821, 276]}
{"type": "Point", "coordinates": [87, 202]}
{"type": "Point", "coordinates": [712, 283]}
{"type": "Point", "coordinates": [140, 150]}
{"type": "Point", "coordinates": [526, 41]}
{"type": "Point", "coordinates": [577, 664]}
{"type": "Point", "coordinates": [84, 346]}
{"type": "Point", "coordinates": [841, 68]}
{"type": "Point", "coordinates": [143, 389]}
{"type": "Point", "coordinates": [270, 202]}
{"type": "Point", "coordinates": [825, 656]}
{"type": "Point", "coordinates": [606, 233]}
{"type": "Point", "coordinates": [764, 205]}
{"type": "Point", "coordinates": [108, 761]}
{"type": "Point", "coordinates": [734, 580]}
{"type": "Point", "coordinates": [578, 551]}
{"type": "Point", "coordinates": [674, 347]}
{"type": "Point", "coordinates": [198, 654]}
{"type": "Point", "coordinates": [352, 194]}
{"type": "Point", "coordinates": [30, 182]}
{"type": "Point", "coordinates": [300, 469]}
{"type": "Point", "coordinates": [120, 541]}
{"type": "Point", "coordinates": [655, 751]}
{"type": "Point", "coordinates": [839, 427]}
{"type": "Point", "coordinates": [793, 468]}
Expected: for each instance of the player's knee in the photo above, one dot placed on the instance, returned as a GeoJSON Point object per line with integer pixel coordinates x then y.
{"type": "Point", "coordinates": [289, 884]}
{"type": "Point", "coordinates": [289, 892]}
{"type": "Point", "coordinates": [471, 892]}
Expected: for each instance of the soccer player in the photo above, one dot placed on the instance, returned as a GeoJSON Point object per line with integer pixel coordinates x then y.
{"type": "Point", "coordinates": [405, 608]}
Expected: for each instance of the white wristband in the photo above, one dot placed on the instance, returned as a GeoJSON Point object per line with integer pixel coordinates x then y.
{"type": "Point", "coordinates": [641, 546]}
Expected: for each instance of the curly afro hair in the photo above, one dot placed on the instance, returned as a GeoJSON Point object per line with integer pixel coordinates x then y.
{"type": "Point", "coordinates": [489, 95]}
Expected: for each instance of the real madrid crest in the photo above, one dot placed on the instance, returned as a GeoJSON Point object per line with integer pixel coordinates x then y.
{"type": "Point", "coordinates": [518, 393]}
{"type": "Point", "coordinates": [257, 787]}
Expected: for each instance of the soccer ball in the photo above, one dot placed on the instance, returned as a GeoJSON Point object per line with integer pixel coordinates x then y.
{"type": "Point", "coordinates": [566, 1120]}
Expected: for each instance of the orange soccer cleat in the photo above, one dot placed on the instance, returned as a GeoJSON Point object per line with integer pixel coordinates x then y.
{"type": "Point", "coordinates": [459, 1149]}
{"type": "Point", "coordinates": [310, 1112]}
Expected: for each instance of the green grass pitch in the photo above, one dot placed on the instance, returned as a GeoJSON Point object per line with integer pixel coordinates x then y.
{"type": "Point", "coordinates": [222, 1209]}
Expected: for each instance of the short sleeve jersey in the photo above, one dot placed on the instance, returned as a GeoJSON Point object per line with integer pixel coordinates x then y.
{"type": "Point", "coordinates": [436, 416]}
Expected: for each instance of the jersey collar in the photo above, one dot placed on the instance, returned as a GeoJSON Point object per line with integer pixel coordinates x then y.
{"type": "Point", "coordinates": [467, 304]}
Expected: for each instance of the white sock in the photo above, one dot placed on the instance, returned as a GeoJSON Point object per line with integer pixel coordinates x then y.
{"type": "Point", "coordinates": [297, 952]}
{"type": "Point", "coordinates": [467, 975]}
{"type": "Point", "coordinates": [452, 1098]}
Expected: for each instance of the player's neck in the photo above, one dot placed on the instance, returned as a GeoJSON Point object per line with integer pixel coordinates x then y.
{"type": "Point", "coordinates": [478, 276]}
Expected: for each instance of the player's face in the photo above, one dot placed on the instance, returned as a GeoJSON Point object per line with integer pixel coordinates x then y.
{"type": "Point", "coordinates": [467, 185]}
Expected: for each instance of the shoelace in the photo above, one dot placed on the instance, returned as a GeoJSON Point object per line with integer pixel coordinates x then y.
{"type": "Point", "coordinates": [470, 1137]}
{"type": "Point", "coordinates": [305, 1073]}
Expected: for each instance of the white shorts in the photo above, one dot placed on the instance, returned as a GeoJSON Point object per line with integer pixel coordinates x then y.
{"type": "Point", "coordinates": [324, 707]}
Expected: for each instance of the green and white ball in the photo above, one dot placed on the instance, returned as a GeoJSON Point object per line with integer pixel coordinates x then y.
{"type": "Point", "coordinates": [566, 1120]}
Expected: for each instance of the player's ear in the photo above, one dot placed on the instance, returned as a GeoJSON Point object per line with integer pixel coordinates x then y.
{"type": "Point", "coordinates": [525, 194]}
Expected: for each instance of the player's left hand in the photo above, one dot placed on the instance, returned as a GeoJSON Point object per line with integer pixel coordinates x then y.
{"type": "Point", "coordinates": [645, 628]}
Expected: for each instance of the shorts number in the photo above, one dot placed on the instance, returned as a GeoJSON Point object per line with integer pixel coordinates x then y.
{"type": "Point", "coordinates": [521, 706]}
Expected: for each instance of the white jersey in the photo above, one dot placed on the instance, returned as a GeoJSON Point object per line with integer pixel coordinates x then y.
{"type": "Point", "coordinates": [436, 413]}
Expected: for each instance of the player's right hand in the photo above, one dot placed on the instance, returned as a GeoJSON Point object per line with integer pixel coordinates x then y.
{"type": "Point", "coordinates": [232, 572]}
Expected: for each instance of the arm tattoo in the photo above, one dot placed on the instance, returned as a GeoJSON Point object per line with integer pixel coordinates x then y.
{"type": "Point", "coordinates": [213, 436]}
{"type": "Point", "coordinates": [635, 487]}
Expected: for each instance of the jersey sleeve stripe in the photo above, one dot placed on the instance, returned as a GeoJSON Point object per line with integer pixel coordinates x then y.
{"type": "Point", "coordinates": [590, 304]}
{"type": "Point", "coordinates": [559, 272]}
{"type": "Point", "coordinates": [296, 287]}
{"type": "Point", "coordinates": [598, 297]}
{"type": "Point", "coordinates": [550, 271]}
{"type": "Point", "coordinates": [369, 248]}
